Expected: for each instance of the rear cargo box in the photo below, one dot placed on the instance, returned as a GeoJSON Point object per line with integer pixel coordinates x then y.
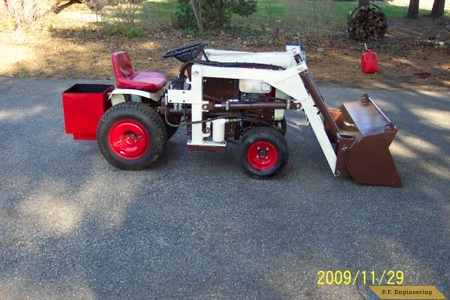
{"type": "Point", "coordinates": [84, 105]}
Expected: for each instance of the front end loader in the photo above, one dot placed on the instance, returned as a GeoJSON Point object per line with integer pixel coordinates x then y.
{"type": "Point", "coordinates": [223, 96]}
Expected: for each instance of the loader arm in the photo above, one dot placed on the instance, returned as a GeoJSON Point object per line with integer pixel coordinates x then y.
{"type": "Point", "coordinates": [312, 103]}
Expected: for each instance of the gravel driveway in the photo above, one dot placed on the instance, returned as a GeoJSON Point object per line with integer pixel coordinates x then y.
{"type": "Point", "coordinates": [195, 227]}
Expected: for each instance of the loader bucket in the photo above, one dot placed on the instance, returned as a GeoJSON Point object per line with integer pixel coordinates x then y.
{"type": "Point", "coordinates": [365, 134]}
{"type": "Point", "coordinates": [361, 134]}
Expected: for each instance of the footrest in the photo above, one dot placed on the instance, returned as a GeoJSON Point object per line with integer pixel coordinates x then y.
{"type": "Point", "coordinates": [207, 146]}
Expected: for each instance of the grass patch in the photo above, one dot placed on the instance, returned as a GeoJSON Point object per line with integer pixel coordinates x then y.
{"type": "Point", "coordinates": [274, 18]}
{"type": "Point", "coordinates": [123, 20]}
{"type": "Point", "coordinates": [156, 13]}
{"type": "Point", "coordinates": [272, 12]}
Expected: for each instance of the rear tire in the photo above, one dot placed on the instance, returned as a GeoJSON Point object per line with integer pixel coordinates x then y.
{"type": "Point", "coordinates": [131, 136]}
{"type": "Point", "coordinates": [263, 152]}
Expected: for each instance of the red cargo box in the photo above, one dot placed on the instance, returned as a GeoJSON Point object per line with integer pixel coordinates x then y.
{"type": "Point", "coordinates": [84, 105]}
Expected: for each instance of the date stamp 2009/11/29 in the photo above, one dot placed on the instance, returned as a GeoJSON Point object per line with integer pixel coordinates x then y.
{"type": "Point", "coordinates": [386, 284]}
{"type": "Point", "coordinates": [347, 277]}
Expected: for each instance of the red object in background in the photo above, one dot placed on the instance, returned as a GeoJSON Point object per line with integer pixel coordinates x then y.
{"type": "Point", "coordinates": [84, 105]}
{"type": "Point", "coordinates": [369, 62]}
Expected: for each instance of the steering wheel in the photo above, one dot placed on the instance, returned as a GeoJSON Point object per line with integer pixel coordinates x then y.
{"type": "Point", "coordinates": [186, 53]}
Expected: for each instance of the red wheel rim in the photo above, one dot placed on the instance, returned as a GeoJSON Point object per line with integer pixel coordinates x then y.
{"type": "Point", "coordinates": [262, 155]}
{"type": "Point", "coordinates": [128, 139]}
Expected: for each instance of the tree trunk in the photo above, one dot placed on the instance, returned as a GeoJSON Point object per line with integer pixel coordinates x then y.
{"type": "Point", "coordinates": [363, 3]}
{"type": "Point", "coordinates": [197, 8]}
{"type": "Point", "coordinates": [413, 10]}
{"type": "Point", "coordinates": [438, 9]}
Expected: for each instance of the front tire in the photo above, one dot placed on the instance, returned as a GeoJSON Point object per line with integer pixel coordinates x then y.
{"type": "Point", "coordinates": [131, 136]}
{"type": "Point", "coordinates": [263, 152]}
{"type": "Point", "coordinates": [281, 126]}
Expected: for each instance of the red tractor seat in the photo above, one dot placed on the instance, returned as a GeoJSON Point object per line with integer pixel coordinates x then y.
{"type": "Point", "coordinates": [126, 78]}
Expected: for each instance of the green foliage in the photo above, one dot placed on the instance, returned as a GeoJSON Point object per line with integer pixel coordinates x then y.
{"type": "Point", "coordinates": [122, 19]}
{"type": "Point", "coordinates": [126, 11]}
{"type": "Point", "coordinates": [396, 50]}
{"type": "Point", "coordinates": [299, 17]}
{"type": "Point", "coordinates": [121, 30]}
{"type": "Point", "coordinates": [216, 14]}
{"type": "Point", "coordinates": [184, 16]}
{"type": "Point", "coordinates": [131, 32]}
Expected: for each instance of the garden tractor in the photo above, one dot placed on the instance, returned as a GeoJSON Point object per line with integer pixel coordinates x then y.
{"type": "Point", "coordinates": [223, 97]}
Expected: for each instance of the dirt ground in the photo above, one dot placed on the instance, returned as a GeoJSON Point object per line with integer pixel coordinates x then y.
{"type": "Point", "coordinates": [414, 54]}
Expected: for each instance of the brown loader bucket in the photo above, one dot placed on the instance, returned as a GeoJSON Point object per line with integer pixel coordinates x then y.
{"type": "Point", "coordinates": [363, 146]}
{"type": "Point", "coordinates": [361, 133]}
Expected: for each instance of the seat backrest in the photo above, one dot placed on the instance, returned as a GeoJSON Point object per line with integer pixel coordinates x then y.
{"type": "Point", "coordinates": [122, 65]}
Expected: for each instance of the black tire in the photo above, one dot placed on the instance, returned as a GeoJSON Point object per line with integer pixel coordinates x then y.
{"type": "Point", "coordinates": [263, 152]}
{"type": "Point", "coordinates": [131, 136]}
{"type": "Point", "coordinates": [171, 130]}
{"type": "Point", "coordinates": [281, 126]}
